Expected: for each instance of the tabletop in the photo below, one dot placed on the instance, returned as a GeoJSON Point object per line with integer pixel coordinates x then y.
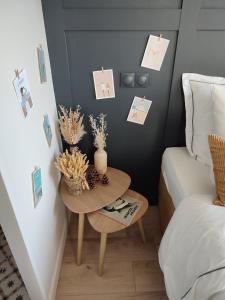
{"type": "Point", "coordinates": [102, 223]}
{"type": "Point", "coordinates": [102, 195]}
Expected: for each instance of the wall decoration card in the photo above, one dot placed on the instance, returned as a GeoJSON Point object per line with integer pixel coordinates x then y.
{"type": "Point", "coordinates": [23, 92]}
{"type": "Point", "coordinates": [41, 64]}
{"type": "Point", "coordinates": [47, 129]}
{"type": "Point", "coordinates": [155, 52]}
{"type": "Point", "coordinates": [37, 185]}
{"type": "Point", "coordinates": [104, 84]}
{"type": "Point", "coordinates": [139, 110]}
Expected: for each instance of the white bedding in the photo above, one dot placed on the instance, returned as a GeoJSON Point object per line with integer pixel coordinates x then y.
{"type": "Point", "coordinates": [192, 251]}
{"type": "Point", "coordinates": [184, 176]}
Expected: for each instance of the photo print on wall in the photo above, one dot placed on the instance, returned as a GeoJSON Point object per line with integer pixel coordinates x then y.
{"type": "Point", "coordinates": [139, 110]}
{"type": "Point", "coordinates": [37, 185]}
{"type": "Point", "coordinates": [155, 52]}
{"type": "Point", "coordinates": [23, 93]}
{"type": "Point", "coordinates": [104, 84]}
{"type": "Point", "coordinates": [47, 129]}
{"type": "Point", "coordinates": [41, 64]}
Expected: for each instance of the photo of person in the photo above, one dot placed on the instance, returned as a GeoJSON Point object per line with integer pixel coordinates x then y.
{"type": "Point", "coordinates": [23, 92]}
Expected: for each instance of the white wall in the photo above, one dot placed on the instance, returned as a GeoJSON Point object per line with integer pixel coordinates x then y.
{"type": "Point", "coordinates": [23, 145]}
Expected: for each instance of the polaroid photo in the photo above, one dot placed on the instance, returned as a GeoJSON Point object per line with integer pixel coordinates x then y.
{"type": "Point", "coordinates": [155, 52]}
{"type": "Point", "coordinates": [139, 110]}
{"type": "Point", "coordinates": [23, 93]}
{"type": "Point", "coordinates": [104, 84]}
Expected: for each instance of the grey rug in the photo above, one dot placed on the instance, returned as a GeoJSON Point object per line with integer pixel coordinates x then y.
{"type": "Point", "coordinates": [11, 283]}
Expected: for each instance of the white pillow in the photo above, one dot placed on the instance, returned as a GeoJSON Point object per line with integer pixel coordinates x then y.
{"type": "Point", "coordinates": [218, 94]}
{"type": "Point", "coordinates": [203, 115]}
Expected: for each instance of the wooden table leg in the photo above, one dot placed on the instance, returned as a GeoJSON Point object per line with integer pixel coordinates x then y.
{"type": "Point", "coordinates": [102, 253]}
{"type": "Point", "coordinates": [80, 237]}
{"type": "Point", "coordinates": [141, 228]}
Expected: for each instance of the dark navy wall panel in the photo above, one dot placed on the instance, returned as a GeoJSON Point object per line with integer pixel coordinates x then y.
{"type": "Point", "coordinates": [84, 35]}
{"type": "Point", "coordinates": [127, 142]}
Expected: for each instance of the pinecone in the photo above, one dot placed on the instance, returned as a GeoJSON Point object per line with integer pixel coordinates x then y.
{"type": "Point", "coordinates": [92, 172]}
{"type": "Point", "coordinates": [105, 179]}
{"type": "Point", "coordinates": [91, 185]}
{"type": "Point", "coordinates": [95, 175]}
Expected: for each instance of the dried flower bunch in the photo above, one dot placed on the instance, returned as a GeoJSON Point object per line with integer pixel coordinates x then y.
{"type": "Point", "coordinates": [99, 127]}
{"type": "Point", "coordinates": [71, 124]}
{"type": "Point", "coordinates": [73, 166]}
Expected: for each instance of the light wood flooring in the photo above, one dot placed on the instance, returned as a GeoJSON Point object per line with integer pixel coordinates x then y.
{"type": "Point", "coordinates": [131, 268]}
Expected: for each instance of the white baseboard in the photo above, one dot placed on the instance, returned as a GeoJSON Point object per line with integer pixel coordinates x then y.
{"type": "Point", "coordinates": [58, 263]}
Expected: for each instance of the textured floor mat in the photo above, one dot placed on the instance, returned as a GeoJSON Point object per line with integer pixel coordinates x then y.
{"type": "Point", "coordinates": [11, 283]}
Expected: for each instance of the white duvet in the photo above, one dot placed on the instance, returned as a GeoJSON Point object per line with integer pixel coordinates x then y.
{"type": "Point", "coordinates": [192, 251]}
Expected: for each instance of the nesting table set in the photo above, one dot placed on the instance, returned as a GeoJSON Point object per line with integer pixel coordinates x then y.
{"type": "Point", "coordinates": [91, 201]}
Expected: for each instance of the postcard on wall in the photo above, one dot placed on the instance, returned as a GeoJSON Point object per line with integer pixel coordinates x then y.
{"type": "Point", "coordinates": [104, 84]}
{"type": "Point", "coordinates": [47, 130]}
{"type": "Point", "coordinates": [139, 110]}
{"type": "Point", "coordinates": [23, 93]}
{"type": "Point", "coordinates": [155, 52]}
{"type": "Point", "coordinates": [41, 63]}
{"type": "Point", "coordinates": [37, 185]}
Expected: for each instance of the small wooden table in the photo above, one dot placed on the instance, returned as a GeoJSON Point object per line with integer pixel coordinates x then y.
{"type": "Point", "coordinates": [105, 225]}
{"type": "Point", "coordinates": [90, 201]}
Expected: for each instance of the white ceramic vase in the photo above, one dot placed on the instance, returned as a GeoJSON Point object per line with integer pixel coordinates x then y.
{"type": "Point", "coordinates": [100, 160]}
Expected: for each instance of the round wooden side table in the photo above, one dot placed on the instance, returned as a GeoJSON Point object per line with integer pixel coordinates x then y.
{"type": "Point", "coordinates": [92, 200]}
{"type": "Point", "coordinates": [105, 225]}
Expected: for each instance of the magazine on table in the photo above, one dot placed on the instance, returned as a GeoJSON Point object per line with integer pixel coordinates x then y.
{"type": "Point", "coordinates": [122, 210]}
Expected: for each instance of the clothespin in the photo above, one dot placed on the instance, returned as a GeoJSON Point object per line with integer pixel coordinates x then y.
{"type": "Point", "coordinates": [17, 73]}
{"type": "Point", "coordinates": [160, 36]}
{"type": "Point", "coordinates": [102, 69]}
{"type": "Point", "coordinates": [40, 46]}
{"type": "Point", "coordinates": [143, 98]}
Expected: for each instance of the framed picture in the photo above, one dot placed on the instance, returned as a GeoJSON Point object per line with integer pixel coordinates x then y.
{"type": "Point", "coordinates": [41, 63]}
{"type": "Point", "coordinates": [47, 129]}
{"type": "Point", "coordinates": [23, 92]}
{"type": "Point", "coordinates": [37, 185]}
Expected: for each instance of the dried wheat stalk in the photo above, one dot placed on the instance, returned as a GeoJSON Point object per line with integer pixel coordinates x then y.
{"type": "Point", "coordinates": [73, 166]}
{"type": "Point", "coordinates": [99, 126]}
{"type": "Point", "coordinates": [71, 125]}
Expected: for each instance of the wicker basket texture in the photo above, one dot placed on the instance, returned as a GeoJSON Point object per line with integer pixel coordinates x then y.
{"type": "Point", "coordinates": [74, 185]}
{"type": "Point", "coordinates": [217, 148]}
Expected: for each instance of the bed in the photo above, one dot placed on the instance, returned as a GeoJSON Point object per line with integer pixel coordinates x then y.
{"type": "Point", "coordinates": [181, 176]}
{"type": "Point", "coordinates": [192, 250]}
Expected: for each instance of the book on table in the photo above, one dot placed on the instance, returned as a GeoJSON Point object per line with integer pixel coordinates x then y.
{"type": "Point", "coordinates": [122, 210]}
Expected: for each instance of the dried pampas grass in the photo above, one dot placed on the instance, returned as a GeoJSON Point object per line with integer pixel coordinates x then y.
{"type": "Point", "coordinates": [73, 166]}
{"type": "Point", "coordinates": [71, 125]}
{"type": "Point", "coordinates": [99, 127]}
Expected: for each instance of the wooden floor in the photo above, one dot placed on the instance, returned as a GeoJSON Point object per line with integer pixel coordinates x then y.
{"type": "Point", "coordinates": [131, 267]}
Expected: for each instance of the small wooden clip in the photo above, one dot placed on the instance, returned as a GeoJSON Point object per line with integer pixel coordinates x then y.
{"type": "Point", "coordinates": [143, 98]}
{"type": "Point", "coordinates": [160, 36]}
{"type": "Point", "coordinates": [17, 73]}
{"type": "Point", "coordinates": [102, 69]}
